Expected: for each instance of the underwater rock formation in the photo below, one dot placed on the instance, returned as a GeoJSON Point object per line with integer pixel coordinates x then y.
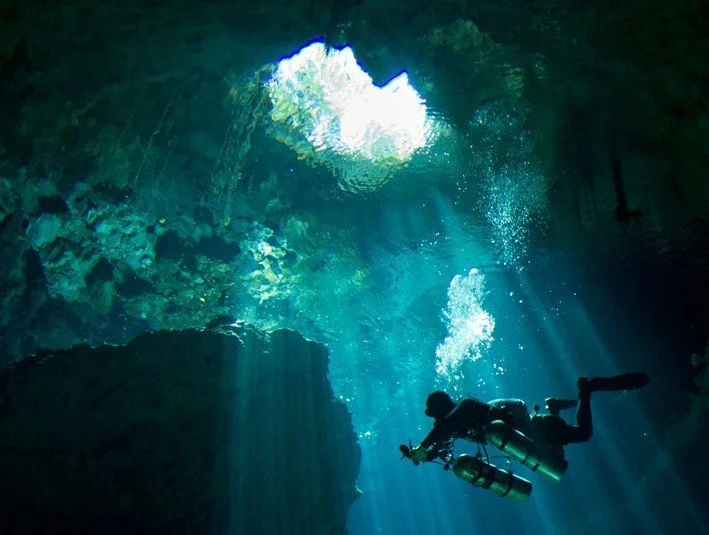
{"type": "Point", "coordinates": [177, 432]}
{"type": "Point", "coordinates": [110, 271]}
{"type": "Point", "coordinates": [93, 268]}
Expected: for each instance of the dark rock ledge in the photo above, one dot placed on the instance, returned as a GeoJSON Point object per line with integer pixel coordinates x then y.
{"type": "Point", "coordinates": [177, 432]}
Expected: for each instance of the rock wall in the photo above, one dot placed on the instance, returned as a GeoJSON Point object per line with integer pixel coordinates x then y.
{"type": "Point", "coordinates": [177, 432]}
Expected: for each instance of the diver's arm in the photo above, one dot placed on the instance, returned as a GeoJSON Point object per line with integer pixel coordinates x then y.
{"type": "Point", "coordinates": [457, 422]}
{"type": "Point", "coordinates": [443, 430]}
{"type": "Point", "coordinates": [437, 434]}
{"type": "Point", "coordinates": [422, 452]}
{"type": "Point", "coordinates": [468, 415]}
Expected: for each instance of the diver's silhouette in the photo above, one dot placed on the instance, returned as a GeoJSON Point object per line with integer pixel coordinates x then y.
{"type": "Point", "coordinates": [536, 441]}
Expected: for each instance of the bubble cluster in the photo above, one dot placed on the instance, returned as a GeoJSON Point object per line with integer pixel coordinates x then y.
{"type": "Point", "coordinates": [470, 327]}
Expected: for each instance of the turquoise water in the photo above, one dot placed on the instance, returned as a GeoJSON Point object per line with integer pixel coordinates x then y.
{"type": "Point", "coordinates": [548, 316]}
{"type": "Point", "coordinates": [541, 352]}
{"type": "Point", "coordinates": [551, 326]}
{"type": "Point", "coordinates": [535, 213]}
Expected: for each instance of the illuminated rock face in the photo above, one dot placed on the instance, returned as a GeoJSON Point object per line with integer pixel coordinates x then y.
{"type": "Point", "coordinates": [177, 432]}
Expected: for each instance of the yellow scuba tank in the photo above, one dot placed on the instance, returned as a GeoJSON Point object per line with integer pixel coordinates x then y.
{"type": "Point", "coordinates": [487, 476]}
{"type": "Point", "coordinates": [536, 457]}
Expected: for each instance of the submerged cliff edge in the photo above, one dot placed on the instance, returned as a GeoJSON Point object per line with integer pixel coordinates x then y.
{"type": "Point", "coordinates": [177, 432]}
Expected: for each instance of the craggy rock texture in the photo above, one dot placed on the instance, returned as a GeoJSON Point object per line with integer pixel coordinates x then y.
{"type": "Point", "coordinates": [177, 432]}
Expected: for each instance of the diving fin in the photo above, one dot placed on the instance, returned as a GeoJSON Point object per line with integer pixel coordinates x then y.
{"type": "Point", "coordinates": [625, 381]}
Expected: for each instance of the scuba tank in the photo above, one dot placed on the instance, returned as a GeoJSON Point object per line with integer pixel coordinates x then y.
{"type": "Point", "coordinates": [487, 476]}
{"type": "Point", "coordinates": [536, 457]}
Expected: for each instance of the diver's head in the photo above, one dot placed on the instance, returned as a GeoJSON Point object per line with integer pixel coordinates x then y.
{"type": "Point", "coordinates": [438, 404]}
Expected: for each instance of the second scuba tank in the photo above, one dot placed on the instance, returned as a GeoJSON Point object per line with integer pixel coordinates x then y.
{"type": "Point", "coordinates": [487, 476]}
{"type": "Point", "coordinates": [536, 457]}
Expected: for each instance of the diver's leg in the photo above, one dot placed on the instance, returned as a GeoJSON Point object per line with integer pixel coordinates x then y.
{"type": "Point", "coordinates": [561, 433]}
{"type": "Point", "coordinates": [558, 432]}
{"type": "Point", "coordinates": [583, 430]}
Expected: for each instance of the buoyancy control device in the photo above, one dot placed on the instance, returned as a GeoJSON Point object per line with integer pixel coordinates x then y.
{"type": "Point", "coordinates": [537, 457]}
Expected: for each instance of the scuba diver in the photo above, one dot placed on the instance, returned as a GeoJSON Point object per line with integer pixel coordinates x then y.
{"type": "Point", "coordinates": [537, 441]}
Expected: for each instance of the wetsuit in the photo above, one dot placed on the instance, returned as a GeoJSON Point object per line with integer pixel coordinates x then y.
{"type": "Point", "coordinates": [554, 430]}
{"type": "Point", "coordinates": [469, 417]}
{"type": "Point", "coordinates": [467, 420]}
